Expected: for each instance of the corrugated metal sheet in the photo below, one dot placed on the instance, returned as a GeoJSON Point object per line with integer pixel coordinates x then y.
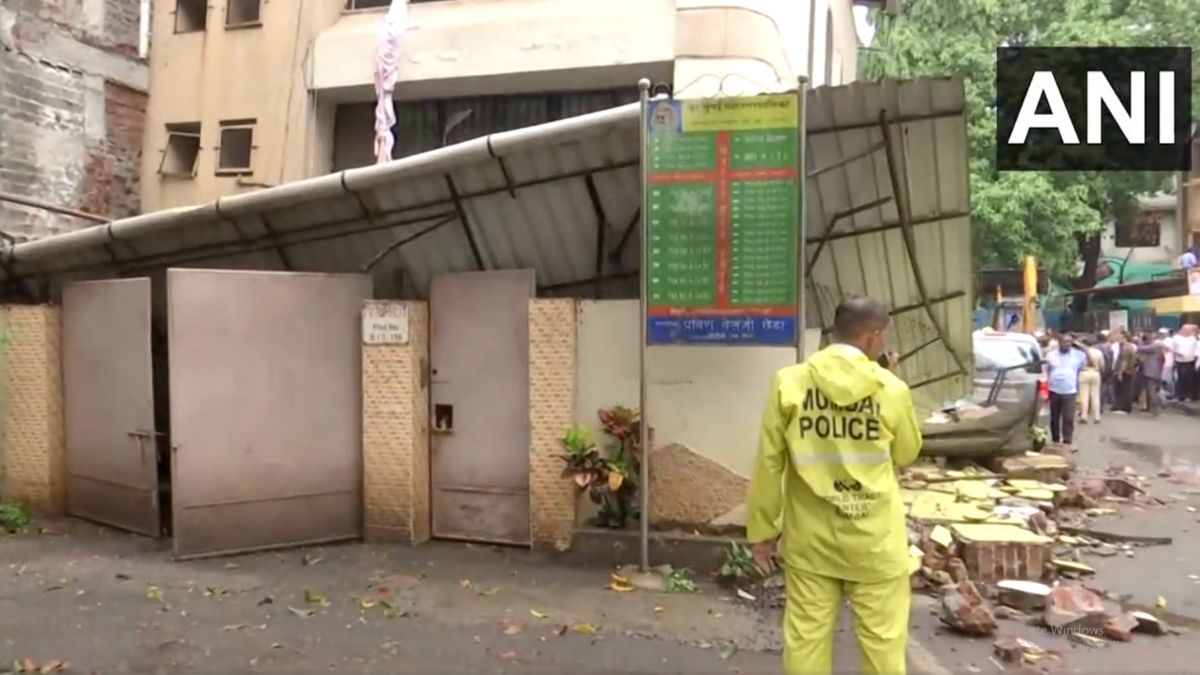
{"type": "Point", "coordinates": [928, 139]}
{"type": "Point", "coordinates": [533, 198]}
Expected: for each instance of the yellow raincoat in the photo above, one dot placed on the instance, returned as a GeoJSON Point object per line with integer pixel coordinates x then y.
{"type": "Point", "coordinates": [835, 429]}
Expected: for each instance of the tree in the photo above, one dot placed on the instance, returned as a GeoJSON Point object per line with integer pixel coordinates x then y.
{"type": "Point", "coordinates": [1056, 216]}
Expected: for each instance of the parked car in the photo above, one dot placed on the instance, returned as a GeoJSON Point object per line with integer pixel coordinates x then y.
{"type": "Point", "coordinates": [1007, 367]}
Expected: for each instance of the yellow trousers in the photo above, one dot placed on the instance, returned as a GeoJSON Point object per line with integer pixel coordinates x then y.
{"type": "Point", "coordinates": [880, 620]}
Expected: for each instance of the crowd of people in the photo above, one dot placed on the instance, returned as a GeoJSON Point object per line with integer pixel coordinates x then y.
{"type": "Point", "coordinates": [1117, 371]}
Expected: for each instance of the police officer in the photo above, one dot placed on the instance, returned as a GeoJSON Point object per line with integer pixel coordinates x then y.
{"type": "Point", "coordinates": [834, 431]}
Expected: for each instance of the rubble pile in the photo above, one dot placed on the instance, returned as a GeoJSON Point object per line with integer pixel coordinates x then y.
{"type": "Point", "coordinates": [1005, 542]}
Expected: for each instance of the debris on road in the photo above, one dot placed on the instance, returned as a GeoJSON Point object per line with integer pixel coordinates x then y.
{"type": "Point", "coordinates": [1073, 607]}
{"type": "Point", "coordinates": [1022, 595]}
{"type": "Point", "coordinates": [1120, 627]}
{"type": "Point", "coordinates": [1087, 640]}
{"type": "Point", "coordinates": [965, 610]}
{"type": "Point", "coordinates": [1017, 650]}
{"type": "Point", "coordinates": [1149, 624]}
{"type": "Point", "coordinates": [1015, 530]}
{"type": "Point", "coordinates": [1113, 537]}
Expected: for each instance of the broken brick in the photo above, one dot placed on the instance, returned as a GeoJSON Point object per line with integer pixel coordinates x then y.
{"type": "Point", "coordinates": [958, 570]}
{"type": "Point", "coordinates": [1120, 627]}
{"type": "Point", "coordinates": [965, 610]}
{"type": "Point", "coordinates": [1074, 607]}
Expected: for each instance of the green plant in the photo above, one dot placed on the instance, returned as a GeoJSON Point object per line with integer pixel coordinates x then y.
{"type": "Point", "coordinates": [1040, 437]}
{"type": "Point", "coordinates": [611, 477]}
{"type": "Point", "coordinates": [739, 563]}
{"type": "Point", "coordinates": [13, 517]}
{"type": "Point", "coordinates": [681, 581]}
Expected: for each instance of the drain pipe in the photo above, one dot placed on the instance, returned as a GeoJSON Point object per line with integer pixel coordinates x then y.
{"type": "Point", "coordinates": [144, 29]}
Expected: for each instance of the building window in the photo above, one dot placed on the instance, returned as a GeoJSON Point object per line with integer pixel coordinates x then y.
{"type": "Point", "coordinates": [191, 15]}
{"type": "Point", "coordinates": [236, 151]}
{"type": "Point", "coordinates": [368, 4]}
{"type": "Point", "coordinates": [1139, 230]}
{"type": "Point", "coordinates": [182, 150]}
{"type": "Point", "coordinates": [243, 13]}
{"type": "Point", "coordinates": [427, 125]}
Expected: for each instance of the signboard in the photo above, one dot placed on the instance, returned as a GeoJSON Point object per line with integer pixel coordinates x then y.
{"type": "Point", "coordinates": [1118, 318]}
{"type": "Point", "coordinates": [384, 323]}
{"type": "Point", "coordinates": [723, 198]}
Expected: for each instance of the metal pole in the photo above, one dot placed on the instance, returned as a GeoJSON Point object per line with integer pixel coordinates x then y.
{"type": "Point", "coordinates": [643, 297]}
{"type": "Point", "coordinates": [801, 219]}
{"type": "Point", "coordinates": [46, 206]}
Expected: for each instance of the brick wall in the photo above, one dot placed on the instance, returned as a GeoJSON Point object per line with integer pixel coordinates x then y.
{"type": "Point", "coordinates": [551, 411]}
{"type": "Point", "coordinates": [31, 446]}
{"type": "Point", "coordinates": [72, 111]}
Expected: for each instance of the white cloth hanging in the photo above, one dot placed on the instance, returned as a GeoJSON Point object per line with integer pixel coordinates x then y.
{"type": "Point", "coordinates": [388, 35]}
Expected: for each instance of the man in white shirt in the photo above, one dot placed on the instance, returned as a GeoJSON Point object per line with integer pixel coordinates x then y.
{"type": "Point", "coordinates": [1188, 260]}
{"type": "Point", "coordinates": [1183, 351]}
{"type": "Point", "coordinates": [1164, 339]}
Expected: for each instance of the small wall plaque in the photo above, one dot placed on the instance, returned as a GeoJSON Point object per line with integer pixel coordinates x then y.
{"type": "Point", "coordinates": [384, 323]}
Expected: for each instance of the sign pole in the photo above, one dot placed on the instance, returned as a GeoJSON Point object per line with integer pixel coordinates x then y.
{"type": "Point", "coordinates": [802, 221]}
{"type": "Point", "coordinates": [643, 299]}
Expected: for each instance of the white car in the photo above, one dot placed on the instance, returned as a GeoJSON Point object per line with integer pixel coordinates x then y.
{"type": "Point", "coordinates": [1015, 356]}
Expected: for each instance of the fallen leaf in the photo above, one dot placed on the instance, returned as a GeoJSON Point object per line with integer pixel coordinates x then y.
{"type": "Point", "coordinates": [301, 612]}
{"type": "Point", "coordinates": [509, 656]}
{"type": "Point", "coordinates": [267, 600]}
{"type": "Point", "coordinates": [390, 612]}
{"type": "Point", "coordinates": [122, 577]}
{"type": "Point", "coordinates": [745, 596]}
{"type": "Point", "coordinates": [562, 630]}
{"type": "Point", "coordinates": [584, 629]}
{"type": "Point", "coordinates": [620, 584]}
{"type": "Point", "coordinates": [614, 481]}
{"type": "Point", "coordinates": [728, 650]}
{"type": "Point", "coordinates": [276, 645]}
{"type": "Point", "coordinates": [490, 592]}
{"type": "Point", "coordinates": [540, 615]}
{"type": "Point", "coordinates": [311, 559]}
{"type": "Point", "coordinates": [366, 603]}
{"type": "Point", "coordinates": [512, 629]}
{"type": "Point", "coordinates": [154, 593]}
{"type": "Point", "coordinates": [231, 566]}
{"type": "Point", "coordinates": [1161, 602]}
{"type": "Point", "coordinates": [235, 626]}
{"type": "Point", "coordinates": [314, 598]}
{"type": "Point", "coordinates": [658, 610]}
{"type": "Point", "coordinates": [465, 583]}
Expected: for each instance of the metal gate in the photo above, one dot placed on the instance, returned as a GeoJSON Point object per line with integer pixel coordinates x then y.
{"type": "Point", "coordinates": [265, 399]}
{"type": "Point", "coordinates": [479, 360]}
{"type": "Point", "coordinates": [111, 455]}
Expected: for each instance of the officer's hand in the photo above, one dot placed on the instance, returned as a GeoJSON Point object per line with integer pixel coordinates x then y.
{"type": "Point", "coordinates": [764, 555]}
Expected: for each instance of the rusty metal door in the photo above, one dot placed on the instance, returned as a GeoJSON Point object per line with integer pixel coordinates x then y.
{"type": "Point", "coordinates": [479, 341]}
{"type": "Point", "coordinates": [111, 457]}
{"type": "Point", "coordinates": [265, 408]}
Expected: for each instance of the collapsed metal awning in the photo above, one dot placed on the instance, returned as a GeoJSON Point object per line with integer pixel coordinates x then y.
{"type": "Point", "coordinates": [888, 215]}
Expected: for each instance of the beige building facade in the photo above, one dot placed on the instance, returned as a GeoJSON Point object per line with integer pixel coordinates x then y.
{"type": "Point", "coordinates": [247, 94]}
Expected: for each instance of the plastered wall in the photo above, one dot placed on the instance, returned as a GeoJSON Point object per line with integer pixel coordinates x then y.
{"type": "Point", "coordinates": [32, 453]}
{"type": "Point", "coordinates": [705, 407]}
{"type": "Point", "coordinates": [396, 435]}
